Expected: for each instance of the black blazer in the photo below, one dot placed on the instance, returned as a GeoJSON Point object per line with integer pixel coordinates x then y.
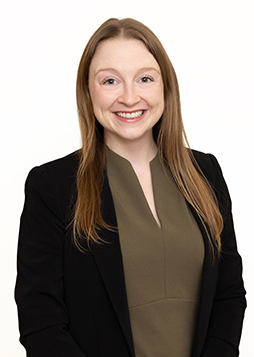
{"type": "Point", "coordinates": [74, 304]}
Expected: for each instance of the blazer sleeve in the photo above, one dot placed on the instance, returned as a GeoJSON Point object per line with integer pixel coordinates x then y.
{"type": "Point", "coordinates": [229, 304]}
{"type": "Point", "coordinates": [39, 292]}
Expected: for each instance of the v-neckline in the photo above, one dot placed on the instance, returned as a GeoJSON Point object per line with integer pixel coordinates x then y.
{"type": "Point", "coordinates": [122, 163]}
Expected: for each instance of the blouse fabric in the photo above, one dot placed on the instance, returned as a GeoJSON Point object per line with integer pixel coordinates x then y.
{"type": "Point", "coordinates": [162, 265]}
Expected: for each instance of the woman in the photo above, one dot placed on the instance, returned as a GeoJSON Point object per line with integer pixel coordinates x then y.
{"type": "Point", "coordinates": [127, 246]}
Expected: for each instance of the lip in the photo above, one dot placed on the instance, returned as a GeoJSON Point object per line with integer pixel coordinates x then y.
{"type": "Point", "coordinates": [130, 120]}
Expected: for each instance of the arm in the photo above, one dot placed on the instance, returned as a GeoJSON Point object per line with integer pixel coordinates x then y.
{"type": "Point", "coordinates": [39, 293]}
{"type": "Point", "coordinates": [229, 304]}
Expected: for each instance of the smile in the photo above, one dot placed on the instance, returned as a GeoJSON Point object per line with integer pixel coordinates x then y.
{"type": "Point", "coordinates": [132, 115]}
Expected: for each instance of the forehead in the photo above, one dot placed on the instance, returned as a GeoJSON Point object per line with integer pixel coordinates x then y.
{"type": "Point", "coordinates": [122, 53]}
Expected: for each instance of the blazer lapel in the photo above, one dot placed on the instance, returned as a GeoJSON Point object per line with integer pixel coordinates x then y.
{"type": "Point", "coordinates": [208, 286]}
{"type": "Point", "coordinates": [108, 257]}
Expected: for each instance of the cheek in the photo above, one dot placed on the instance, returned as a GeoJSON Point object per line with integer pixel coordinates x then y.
{"type": "Point", "coordinates": [161, 100]}
{"type": "Point", "coordinates": [156, 95]}
{"type": "Point", "coordinates": [101, 106]}
{"type": "Point", "coordinates": [157, 101]}
{"type": "Point", "coordinates": [101, 101]}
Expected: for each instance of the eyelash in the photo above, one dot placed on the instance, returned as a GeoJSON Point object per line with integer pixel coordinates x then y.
{"type": "Point", "coordinates": [147, 77]}
{"type": "Point", "coordinates": [107, 80]}
{"type": "Point", "coordinates": [150, 78]}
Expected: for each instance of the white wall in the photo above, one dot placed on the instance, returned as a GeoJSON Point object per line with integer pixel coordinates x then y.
{"type": "Point", "coordinates": [210, 44]}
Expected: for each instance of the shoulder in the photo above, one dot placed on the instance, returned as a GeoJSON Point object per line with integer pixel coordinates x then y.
{"type": "Point", "coordinates": [209, 167]}
{"type": "Point", "coordinates": [54, 180]}
{"type": "Point", "coordinates": [64, 166]}
{"type": "Point", "coordinates": [59, 170]}
{"type": "Point", "coordinates": [212, 171]}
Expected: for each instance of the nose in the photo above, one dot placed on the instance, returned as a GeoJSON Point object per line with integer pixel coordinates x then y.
{"type": "Point", "coordinates": [129, 95]}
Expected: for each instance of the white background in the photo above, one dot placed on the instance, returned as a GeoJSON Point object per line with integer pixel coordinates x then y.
{"type": "Point", "coordinates": [210, 44]}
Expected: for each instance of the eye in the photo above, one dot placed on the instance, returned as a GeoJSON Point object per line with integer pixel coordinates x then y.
{"type": "Point", "coordinates": [109, 81]}
{"type": "Point", "coordinates": [146, 79]}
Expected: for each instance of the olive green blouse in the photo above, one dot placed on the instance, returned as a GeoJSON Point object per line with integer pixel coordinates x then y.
{"type": "Point", "coordinates": [162, 266]}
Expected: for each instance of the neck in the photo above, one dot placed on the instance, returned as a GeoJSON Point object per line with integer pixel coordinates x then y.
{"type": "Point", "coordinates": [137, 153]}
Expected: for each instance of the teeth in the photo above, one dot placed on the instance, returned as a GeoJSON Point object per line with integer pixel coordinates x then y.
{"type": "Point", "coordinates": [130, 115]}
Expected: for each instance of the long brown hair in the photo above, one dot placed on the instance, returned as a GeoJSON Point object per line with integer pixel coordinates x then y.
{"type": "Point", "coordinates": [169, 135]}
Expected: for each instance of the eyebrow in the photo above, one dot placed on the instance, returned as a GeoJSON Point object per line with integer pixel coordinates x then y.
{"type": "Point", "coordinates": [144, 69]}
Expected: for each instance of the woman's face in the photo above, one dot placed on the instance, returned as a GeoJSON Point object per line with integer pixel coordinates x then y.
{"type": "Point", "coordinates": [126, 89]}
